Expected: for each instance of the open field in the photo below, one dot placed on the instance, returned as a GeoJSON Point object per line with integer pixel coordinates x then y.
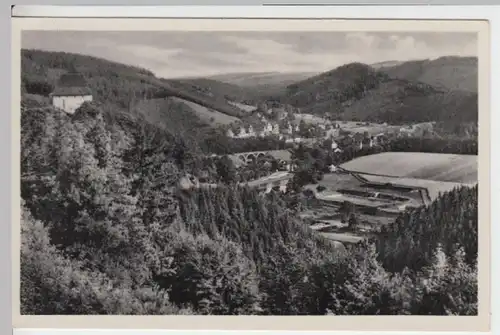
{"type": "Point", "coordinates": [207, 115]}
{"type": "Point", "coordinates": [439, 167]}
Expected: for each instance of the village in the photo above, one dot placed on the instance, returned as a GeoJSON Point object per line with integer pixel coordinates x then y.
{"type": "Point", "coordinates": [272, 170]}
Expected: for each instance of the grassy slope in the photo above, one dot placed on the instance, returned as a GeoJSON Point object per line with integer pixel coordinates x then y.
{"type": "Point", "coordinates": [439, 167]}
{"type": "Point", "coordinates": [216, 88]}
{"type": "Point", "coordinates": [207, 115]}
{"type": "Point", "coordinates": [117, 87]}
{"type": "Point", "coordinates": [114, 82]}
{"type": "Point", "coordinates": [171, 113]}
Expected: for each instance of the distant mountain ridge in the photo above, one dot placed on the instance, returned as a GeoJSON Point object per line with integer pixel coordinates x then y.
{"type": "Point", "coordinates": [384, 64]}
{"type": "Point", "coordinates": [251, 79]}
{"type": "Point", "coordinates": [355, 91]}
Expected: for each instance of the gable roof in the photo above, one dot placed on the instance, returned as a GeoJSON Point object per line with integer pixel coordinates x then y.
{"type": "Point", "coordinates": [71, 84]}
{"type": "Point", "coordinates": [71, 91]}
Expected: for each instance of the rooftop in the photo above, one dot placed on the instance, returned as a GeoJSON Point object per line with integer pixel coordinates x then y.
{"type": "Point", "coordinates": [71, 84]}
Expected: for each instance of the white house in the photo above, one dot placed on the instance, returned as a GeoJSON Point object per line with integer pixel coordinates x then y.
{"type": "Point", "coordinates": [268, 128]}
{"type": "Point", "coordinates": [251, 132]}
{"type": "Point", "coordinates": [276, 129]}
{"type": "Point", "coordinates": [242, 132]}
{"type": "Point", "coordinates": [288, 129]}
{"type": "Point", "coordinates": [332, 132]}
{"type": "Point", "coordinates": [70, 93]}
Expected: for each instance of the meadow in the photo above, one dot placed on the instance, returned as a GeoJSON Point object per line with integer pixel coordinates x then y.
{"type": "Point", "coordinates": [431, 166]}
{"type": "Point", "coordinates": [207, 115]}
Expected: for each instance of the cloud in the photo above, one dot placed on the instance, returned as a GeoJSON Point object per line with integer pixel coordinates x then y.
{"type": "Point", "coordinates": [172, 54]}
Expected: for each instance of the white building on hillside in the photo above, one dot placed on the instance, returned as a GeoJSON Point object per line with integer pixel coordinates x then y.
{"type": "Point", "coordinates": [276, 129]}
{"type": "Point", "coordinates": [70, 93]}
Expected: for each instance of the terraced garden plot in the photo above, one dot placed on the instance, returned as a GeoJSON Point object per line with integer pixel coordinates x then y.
{"type": "Point", "coordinates": [334, 181]}
{"type": "Point", "coordinates": [434, 187]}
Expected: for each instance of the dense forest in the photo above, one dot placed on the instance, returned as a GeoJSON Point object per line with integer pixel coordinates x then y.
{"type": "Point", "coordinates": [106, 229]}
{"type": "Point", "coordinates": [358, 92]}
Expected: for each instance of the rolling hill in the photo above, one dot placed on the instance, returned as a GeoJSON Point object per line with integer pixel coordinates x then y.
{"type": "Point", "coordinates": [449, 73]}
{"type": "Point", "coordinates": [337, 85]}
{"type": "Point", "coordinates": [359, 92]}
{"type": "Point", "coordinates": [114, 82]}
{"type": "Point", "coordinates": [214, 88]}
{"type": "Point", "coordinates": [396, 93]}
{"type": "Point", "coordinates": [400, 101]}
{"type": "Point", "coordinates": [171, 114]}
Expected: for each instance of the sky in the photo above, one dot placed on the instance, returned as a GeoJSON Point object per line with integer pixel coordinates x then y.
{"type": "Point", "coordinates": [183, 54]}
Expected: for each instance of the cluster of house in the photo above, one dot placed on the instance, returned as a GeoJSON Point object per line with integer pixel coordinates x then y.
{"type": "Point", "coordinates": [240, 130]}
{"type": "Point", "coordinates": [72, 91]}
{"type": "Point", "coordinates": [283, 128]}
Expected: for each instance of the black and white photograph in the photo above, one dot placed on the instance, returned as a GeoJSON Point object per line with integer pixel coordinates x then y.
{"type": "Point", "coordinates": [259, 173]}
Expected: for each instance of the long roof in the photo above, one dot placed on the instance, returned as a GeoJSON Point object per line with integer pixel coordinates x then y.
{"type": "Point", "coordinates": [71, 84]}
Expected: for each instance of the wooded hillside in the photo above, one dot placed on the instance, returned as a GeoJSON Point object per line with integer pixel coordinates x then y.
{"type": "Point", "coordinates": [101, 207]}
{"type": "Point", "coordinates": [397, 94]}
{"type": "Point", "coordinates": [106, 229]}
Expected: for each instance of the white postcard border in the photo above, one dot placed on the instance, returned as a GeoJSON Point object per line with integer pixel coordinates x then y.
{"type": "Point", "coordinates": [382, 323]}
